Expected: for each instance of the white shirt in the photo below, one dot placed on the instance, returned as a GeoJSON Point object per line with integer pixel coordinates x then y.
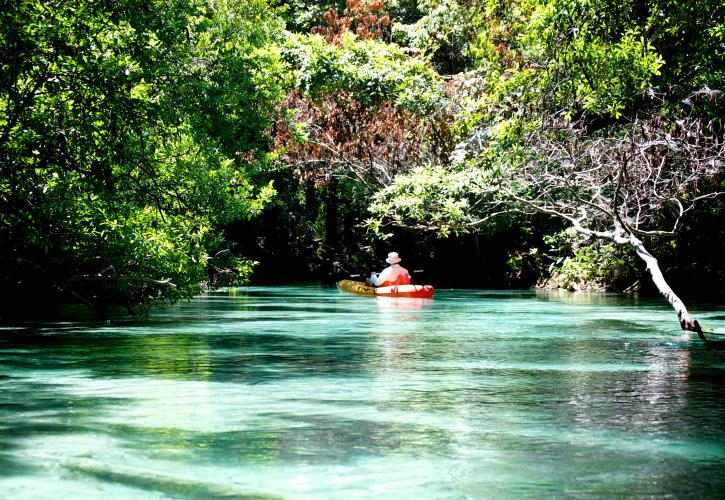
{"type": "Point", "coordinates": [390, 274]}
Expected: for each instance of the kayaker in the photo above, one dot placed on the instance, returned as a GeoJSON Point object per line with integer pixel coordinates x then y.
{"type": "Point", "coordinates": [393, 275]}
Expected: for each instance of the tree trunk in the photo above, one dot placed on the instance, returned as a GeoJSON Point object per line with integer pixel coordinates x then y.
{"type": "Point", "coordinates": [332, 236]}
{"type": "Point", "coordinates": [331, 227]}
{"type": "Point", "coordinates": [312, 205]}
{"type": "Point", "coordinates": [686, 321]}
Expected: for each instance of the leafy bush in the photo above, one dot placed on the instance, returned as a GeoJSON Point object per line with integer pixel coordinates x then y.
{"type": "Point", "coordinates": [581, 265]}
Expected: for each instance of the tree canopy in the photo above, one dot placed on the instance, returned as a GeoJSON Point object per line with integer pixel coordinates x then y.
{"type": "Point", "coordinates": [125, 139]}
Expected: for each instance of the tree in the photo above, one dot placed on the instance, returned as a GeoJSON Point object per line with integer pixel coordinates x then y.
{"type": "Point", "coordinates": [125, 134]}
{"type": "Point", "coordinates": [622, 188]}
{"type": "Point", "coordinates": [359, 111]}
{"type": "Point", "coordinates": [570, 113]}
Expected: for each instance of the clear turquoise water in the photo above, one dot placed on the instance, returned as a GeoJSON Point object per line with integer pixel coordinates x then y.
{"type": "Point", "coordinates": [307, 392]}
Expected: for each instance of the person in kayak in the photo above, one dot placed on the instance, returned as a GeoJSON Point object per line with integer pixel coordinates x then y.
{"type": "Point", "coordinates": [393, 275]}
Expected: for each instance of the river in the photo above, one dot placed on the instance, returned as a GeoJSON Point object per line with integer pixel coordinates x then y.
{"type": "Point", "coordinates": [308, 392]}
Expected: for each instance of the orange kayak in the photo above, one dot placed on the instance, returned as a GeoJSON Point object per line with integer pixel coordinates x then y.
{"type": "Point", "coordinates": [360, 288]}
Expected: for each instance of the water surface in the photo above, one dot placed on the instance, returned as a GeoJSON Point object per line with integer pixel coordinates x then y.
{"type": "Point", "coordinates": [307, 392]}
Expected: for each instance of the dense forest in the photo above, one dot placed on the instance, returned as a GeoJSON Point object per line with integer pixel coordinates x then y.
{"type": "Point", "coordinates": [150, 150]}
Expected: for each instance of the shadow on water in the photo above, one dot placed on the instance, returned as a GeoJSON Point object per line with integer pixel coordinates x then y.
{"type": "Point", "coordinates": [187, 356]}
{"type": "Point", "coordinates": [298, 439]}
{"type": "Point", "coordinates": [171, 485]}
{"type": "Point", "coordinates": [37, 411]}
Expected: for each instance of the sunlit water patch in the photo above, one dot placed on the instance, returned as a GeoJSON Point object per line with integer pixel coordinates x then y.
{"type": "Point", "coordinates": [307, 392]}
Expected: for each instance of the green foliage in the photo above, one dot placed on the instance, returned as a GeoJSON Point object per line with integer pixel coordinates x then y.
{"type": "Point", "coordinates": [592, 57]}
{"type": "Point", "coordinates": [124, 142]}
{"type": "Point", "coordinates": [443, 34]}
{"type": "Point", "coordinates": [302, 15]}
{"type": "Point", "coordinates": [430, 198]}
{"type": "Point", "coordinates": [561, 57]}
{"type": "Point", "coordinates": [689, 36]}
{"type": "Point", "coordinates": [373, 71]}
{"type": "Point", "coordinates": [582, 265]}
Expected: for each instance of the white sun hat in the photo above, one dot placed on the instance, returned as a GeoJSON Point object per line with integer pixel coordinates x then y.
{"type": "Point", "coordinates": [393, 258]}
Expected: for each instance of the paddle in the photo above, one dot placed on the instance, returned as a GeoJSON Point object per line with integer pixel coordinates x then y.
{"type": "Point", "coordinates": [416, 271]}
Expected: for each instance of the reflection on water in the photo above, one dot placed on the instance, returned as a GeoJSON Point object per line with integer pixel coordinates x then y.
{"type": "Point", "coordinates": [308, 392]}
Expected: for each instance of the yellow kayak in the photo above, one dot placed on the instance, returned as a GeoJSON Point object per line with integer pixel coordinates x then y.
{"type": "Point", "coordinates": [360, 288]}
